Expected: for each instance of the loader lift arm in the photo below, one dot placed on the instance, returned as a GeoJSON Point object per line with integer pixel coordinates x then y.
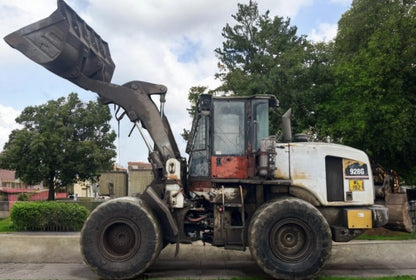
{"type": "Point", "coordinates": [66, 45]}
{"type": "Point", "coordinates": [135, 98]}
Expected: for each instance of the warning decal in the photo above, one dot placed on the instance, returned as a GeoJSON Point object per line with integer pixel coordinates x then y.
{"type": "Point", "coordinates": [356, 185]}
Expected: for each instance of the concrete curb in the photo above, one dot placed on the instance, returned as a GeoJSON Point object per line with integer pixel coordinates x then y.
{"type": "Point", "coordinates": [355, 258]}
{"type": "Point", "coordinates": [371, 253]}
{"type": "Point", "coordinates": [40, 248]}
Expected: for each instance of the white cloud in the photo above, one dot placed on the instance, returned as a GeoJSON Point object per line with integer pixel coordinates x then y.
{"type": "Point", "coordinates": [343, 2]}
{"type": "Point", "coordinates": [283, 8]}
{"type": "Point", "coordinates": [7, 123]}
{"type": "Point", "coordinates": [325, 32]}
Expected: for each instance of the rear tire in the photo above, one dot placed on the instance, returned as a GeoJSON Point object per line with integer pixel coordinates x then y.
{"type": "Point", "coordinates": [121, 238]}
{"type": "Point", "coordinates": [289, 239]}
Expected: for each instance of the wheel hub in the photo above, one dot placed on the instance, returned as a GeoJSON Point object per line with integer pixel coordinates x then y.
{"type": "Point", "coordinates": [120, 240]}
{"type": "Point", "coordinates": [291, 240]}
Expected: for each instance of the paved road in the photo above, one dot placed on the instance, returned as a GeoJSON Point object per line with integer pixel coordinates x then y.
{"type": "Point", "coordinates": [58, 257]}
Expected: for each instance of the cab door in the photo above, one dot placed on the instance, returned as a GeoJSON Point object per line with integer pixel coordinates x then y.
{"type": "Point", "coordinates": [229, 159]}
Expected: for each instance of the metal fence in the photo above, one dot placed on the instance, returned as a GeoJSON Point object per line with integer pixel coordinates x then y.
{"type": "Point", "coordinates": [4, 209]}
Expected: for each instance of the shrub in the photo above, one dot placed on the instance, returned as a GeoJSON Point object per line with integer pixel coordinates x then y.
{"type": "Point", "coordinates": [24, 196]}
{"type": "Point", "coordinates": [48, 216]}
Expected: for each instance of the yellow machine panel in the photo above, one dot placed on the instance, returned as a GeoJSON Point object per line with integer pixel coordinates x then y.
{"type": "Point", "coordinates": [359, 218]}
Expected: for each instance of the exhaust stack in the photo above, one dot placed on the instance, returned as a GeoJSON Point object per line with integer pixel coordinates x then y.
{"type": "Point", "coordinates": [286, 126]}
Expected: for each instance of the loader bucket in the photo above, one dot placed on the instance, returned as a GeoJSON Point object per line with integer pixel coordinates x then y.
{"type": "Point", "coordinates": [390, 193]}
{"type": "Point", "coordinates": [65, 45]}
{"type": "Point", "coordinates": [399, 214]}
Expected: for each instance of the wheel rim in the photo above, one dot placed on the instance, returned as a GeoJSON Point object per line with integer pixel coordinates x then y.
{"type": "Point", "coordinates": [120, 240]}
{"type": "Point", "coordinates": [291, 240]}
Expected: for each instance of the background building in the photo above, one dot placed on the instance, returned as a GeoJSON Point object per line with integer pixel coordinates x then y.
{"type": "Point", "coordinates": [140, 176]}
{"type": "Point", "coordinates": [11, 188]}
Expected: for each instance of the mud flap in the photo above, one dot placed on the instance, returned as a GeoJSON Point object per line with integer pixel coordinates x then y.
{"type": "Point", "coordinates": [65, 45]}
{"type": "Point", "coordinates": [399, 218]}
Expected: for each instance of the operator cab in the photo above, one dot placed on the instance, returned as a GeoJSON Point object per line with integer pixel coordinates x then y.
{"type": "Point", "coordinates": [226, 136]}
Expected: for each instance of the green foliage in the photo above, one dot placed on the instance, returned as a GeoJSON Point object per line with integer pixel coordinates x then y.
{"type": "Point", "coordinates": [193, 95]}
{"type": "Point", "coordinates": [24, 196]}
{"type": "Point", "coordinates": [61, 142]}
{"type": "Point", "coordinates": [373, 106]}
{"type": "Point", "coordinates": [48, 216]}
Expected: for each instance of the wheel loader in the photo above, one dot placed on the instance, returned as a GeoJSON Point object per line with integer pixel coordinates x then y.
{"type": "Point", "coordinates": [285, 199]}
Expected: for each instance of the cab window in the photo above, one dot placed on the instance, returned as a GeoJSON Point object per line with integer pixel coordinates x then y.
{"type": "Point", "coordinates": [229, 133]}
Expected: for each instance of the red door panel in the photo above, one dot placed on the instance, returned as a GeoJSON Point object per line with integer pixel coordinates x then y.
{"type": "Point", "coordinates": [231, 167]}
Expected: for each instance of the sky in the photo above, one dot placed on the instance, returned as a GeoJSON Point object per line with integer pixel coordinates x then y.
{"type": "Point", "coordinates": [159, 41]}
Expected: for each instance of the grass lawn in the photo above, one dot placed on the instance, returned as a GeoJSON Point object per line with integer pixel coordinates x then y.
{"type": "Point", "coordinates": [385, 234]}
{"type": "Point", "coordinates": [376, 278]}
{"type": "Point", "coordinates": [5, 225]}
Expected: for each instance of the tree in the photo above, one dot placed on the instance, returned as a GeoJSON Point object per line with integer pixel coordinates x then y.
{"type": "Point", "coordinates": [193, 95]}
{"type": "Point", "coordinates": [374, 104]}
{"type": "Point", "coordinates": [61, 142]}
{"type": "Point", "coordinates": [264, 55]}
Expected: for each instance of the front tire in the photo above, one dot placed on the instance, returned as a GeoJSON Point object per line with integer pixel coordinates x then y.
{"type": "Point", "coordinates": [121, 238]}
{"type": "Point", "coordinates": [289, 239]}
